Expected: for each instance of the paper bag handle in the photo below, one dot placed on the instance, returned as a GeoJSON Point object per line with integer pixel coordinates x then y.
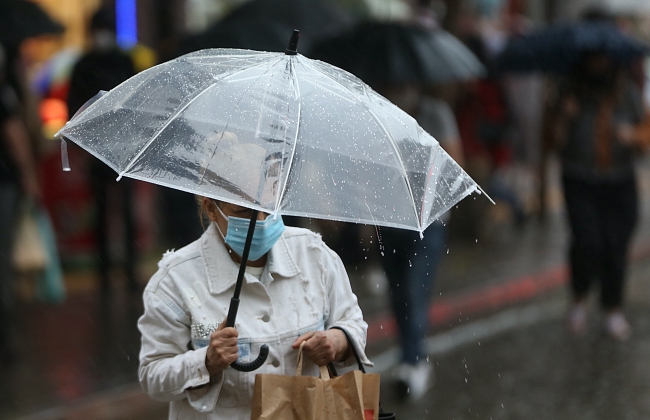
{"type": "Point", "coordinates": [324, 373]}
{"type": "Point", "coordinates": [299, 367]}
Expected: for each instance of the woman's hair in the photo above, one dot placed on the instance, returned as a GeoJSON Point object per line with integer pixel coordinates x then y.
{"type": "Point", "coordinates": [203, 210]}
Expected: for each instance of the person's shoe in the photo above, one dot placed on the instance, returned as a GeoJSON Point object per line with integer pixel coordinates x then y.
{"type": "Point", "coordinates": [617, 326]}
{"type": "Point", "coordinates": [577, 319]}
{"type": "Point", "coordinates": [413, 381]}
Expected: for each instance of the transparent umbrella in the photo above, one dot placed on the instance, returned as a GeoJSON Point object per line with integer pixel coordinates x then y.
{"type": "Point", "coordinates": [274, 132]}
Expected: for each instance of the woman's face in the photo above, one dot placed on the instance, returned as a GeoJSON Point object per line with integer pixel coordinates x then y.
{"type": "Point", "coordinates": [229, 210]}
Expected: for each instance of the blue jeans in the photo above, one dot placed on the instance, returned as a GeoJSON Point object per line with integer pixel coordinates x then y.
{"type": "Point", "coordinates": [411, 264]}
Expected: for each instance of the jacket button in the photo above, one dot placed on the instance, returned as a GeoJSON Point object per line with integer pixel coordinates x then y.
{"type": "Point", "coordinates": [276, 363]}
{"type": "Point", "coordinates": [266, 318]}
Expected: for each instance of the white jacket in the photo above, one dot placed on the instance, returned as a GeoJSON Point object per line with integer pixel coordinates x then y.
{"type": "Point", "coordinates": [186, 300]}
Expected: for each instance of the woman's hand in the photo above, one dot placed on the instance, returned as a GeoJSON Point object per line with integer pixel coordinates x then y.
{"type": "Point", "coordinates": [222, 350]}
{"type": "Point", "coordinates": [324, 347]}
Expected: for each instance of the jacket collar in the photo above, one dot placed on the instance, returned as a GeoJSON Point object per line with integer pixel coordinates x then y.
{"type": "Point", "coordinates": [222, 270]}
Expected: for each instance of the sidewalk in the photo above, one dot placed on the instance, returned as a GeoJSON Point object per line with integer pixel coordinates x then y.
{"type": "Point", "coordinates": [80, 358]}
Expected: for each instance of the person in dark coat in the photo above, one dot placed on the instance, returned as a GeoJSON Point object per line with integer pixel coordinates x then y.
{"type": "Point", "coordinates": [18, 178]}
{"type": "Point", "coordinates": [103, 67]}
{"type": "Point", "coordinates": [593, 122]}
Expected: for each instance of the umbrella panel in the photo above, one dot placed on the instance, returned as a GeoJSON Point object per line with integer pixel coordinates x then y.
{"type": "Point", "coordinates": [122, 124]}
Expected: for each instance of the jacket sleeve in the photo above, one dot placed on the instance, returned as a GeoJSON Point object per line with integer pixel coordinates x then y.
{"type": "Point", "coordinates": [344, 309]}
{"type": "Point", "coordinates": [169, 371]}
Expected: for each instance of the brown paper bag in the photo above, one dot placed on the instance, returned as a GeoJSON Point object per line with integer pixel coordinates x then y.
{"type": "Point", "coordinates": [353, 396]}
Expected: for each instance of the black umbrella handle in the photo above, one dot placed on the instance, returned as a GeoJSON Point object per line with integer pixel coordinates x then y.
{"type": "Point", "coordinates": [255, 364]}
{"type": "Point", "coordinates": [234, 302]}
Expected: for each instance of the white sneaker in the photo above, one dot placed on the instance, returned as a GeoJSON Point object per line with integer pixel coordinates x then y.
{"type": "Point", "coordinates": [617, 326]}
{"type": "Point", "coordinates": [577, 319]}
{"type": "Point", "coordinates": [413, 381]}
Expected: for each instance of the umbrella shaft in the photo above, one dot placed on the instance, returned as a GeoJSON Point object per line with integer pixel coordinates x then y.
{"type": "Point", "coordinates": [234, 302]}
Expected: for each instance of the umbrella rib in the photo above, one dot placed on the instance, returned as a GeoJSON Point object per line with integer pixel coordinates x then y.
{"type": "Point", "coordinates": [295, 140]}
{"type": "Point", "coordinates": [390, 137]}
{"type": "Point", "coordinates": [177, 113]}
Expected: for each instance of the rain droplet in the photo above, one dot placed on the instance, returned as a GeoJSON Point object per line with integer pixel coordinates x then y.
{"type": "Point", "coordinates": [465, 380]}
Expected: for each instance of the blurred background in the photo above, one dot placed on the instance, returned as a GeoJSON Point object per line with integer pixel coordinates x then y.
{"type": "Point", "coordinates": [81, 246]}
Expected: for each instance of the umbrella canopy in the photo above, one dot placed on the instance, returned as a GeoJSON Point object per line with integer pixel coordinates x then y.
{"type": "Point", "coordinates": [263, 25]}
{"type": "Point", "coordinates": [21, 19]}
{"type": "Point", "coordinates": [278, 133]}
{"type": "Point", "coordinates": [557, 48]}
{"type": "Point", "coordinates": [396, 53]}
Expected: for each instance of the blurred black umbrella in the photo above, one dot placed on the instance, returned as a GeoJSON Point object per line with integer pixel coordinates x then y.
{"type": "Point", "coordinates": [21, 19]}
{"type": "Point", "coordinates": [557, 48]}
{"type": "Point", "coordinates": [251, 34]}
{"type": "Point", "coordinates": [264, 24]}
{"type": "Point", "coordinates": [395, 53]}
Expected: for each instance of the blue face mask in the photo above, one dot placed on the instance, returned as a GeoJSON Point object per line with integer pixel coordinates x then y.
{"type": "Point", "coordinates": [267, 232]}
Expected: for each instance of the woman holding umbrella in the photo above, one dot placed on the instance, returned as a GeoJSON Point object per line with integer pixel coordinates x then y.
{"type": "Point", "coordinates": [296, 290]}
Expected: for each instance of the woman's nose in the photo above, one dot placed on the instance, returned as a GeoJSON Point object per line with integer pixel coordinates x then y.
{"type": "Point", "coordinates": [262, 216]}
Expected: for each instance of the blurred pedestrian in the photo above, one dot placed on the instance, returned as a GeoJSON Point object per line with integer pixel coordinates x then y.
{"type": "Point", "coordinates": [18, 177]}
{"type": "Point", "coordinates": [103, 67]}
{"type": "Point", "coordinates": [411, 262]}
{"type": "Point", "coordinates": [593, 124]}
{"type": "Point", "coordinates": [486, 122]}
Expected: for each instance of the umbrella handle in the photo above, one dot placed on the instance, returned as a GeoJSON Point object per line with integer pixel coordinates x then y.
{"type": "Point", "coordinates": [255, 364]}
{"type": "Point", "coordinates": [264, 351]}
{"type": "Point", "coordinates": [234, 303]}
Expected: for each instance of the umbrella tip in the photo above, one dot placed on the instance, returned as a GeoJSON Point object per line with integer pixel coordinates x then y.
{"type": "Point", "coordinates": [292, 49]}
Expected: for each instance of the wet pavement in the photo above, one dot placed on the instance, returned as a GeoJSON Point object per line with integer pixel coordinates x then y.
{"type": "Point", "coordinates": [534, 369]}
{"type": "Point", "coordinates": [79, 359]}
